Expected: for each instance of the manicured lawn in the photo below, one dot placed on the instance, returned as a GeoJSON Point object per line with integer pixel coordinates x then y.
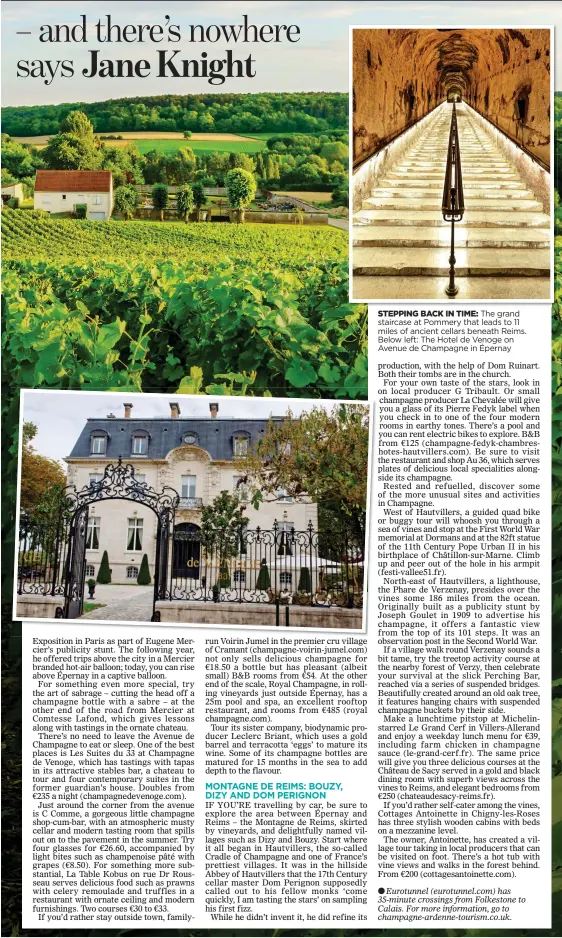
{"type": "Point", "coordinates": [198, 146]}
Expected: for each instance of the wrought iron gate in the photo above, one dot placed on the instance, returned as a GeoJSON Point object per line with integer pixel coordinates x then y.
{"type": "Point", "coordinates": [52, 553]}
{"type": "Point", "coordinates": [75, 572]}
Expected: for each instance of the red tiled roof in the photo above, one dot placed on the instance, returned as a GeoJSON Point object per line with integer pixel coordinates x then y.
{"type": "Point", "coordinates": [73, 180]}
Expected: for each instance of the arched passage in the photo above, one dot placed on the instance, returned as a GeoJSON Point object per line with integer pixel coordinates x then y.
{"type": "Point", "coordinates": [400, 75]}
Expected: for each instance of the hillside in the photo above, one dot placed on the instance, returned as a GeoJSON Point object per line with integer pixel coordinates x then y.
{"type": "Point", "coordinates": [189, 308]}
{"type": "Point", "coordinates": [29, 235]}
{"type": "Point", "coordinates": [304, 112]}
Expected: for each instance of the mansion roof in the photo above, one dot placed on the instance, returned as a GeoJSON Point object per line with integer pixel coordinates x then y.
{"type": "Point", "coordinates": [165, 434]}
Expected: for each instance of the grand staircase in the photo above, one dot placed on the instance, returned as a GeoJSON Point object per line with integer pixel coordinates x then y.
{"type": "Point", "coordinates": [401, 243]}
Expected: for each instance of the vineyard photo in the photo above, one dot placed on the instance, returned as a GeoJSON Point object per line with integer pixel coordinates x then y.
{"type": "Point", "coordinates": [250, 297]}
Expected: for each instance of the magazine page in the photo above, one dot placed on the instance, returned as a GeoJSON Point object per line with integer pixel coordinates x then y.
{"type": "Point", "coordinates": [281, 378]}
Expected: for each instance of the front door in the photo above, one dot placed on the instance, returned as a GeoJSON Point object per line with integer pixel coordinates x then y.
{"type": "Point", "coordinates": [186, 557]}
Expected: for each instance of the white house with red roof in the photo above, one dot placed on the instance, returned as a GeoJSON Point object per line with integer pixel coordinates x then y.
{"type": "Point", "coordinates": [61, 190]}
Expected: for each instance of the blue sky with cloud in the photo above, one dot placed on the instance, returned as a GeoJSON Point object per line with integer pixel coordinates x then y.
{"type": "Point", "coordinates": [318, 62]}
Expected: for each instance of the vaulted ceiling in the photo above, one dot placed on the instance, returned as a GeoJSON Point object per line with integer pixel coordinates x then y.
{"type": "Point", "coordinates": [399, 75]}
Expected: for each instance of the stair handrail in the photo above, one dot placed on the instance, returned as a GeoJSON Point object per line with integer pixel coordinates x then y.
{"type": "Point", "coordinates": [452, 205]}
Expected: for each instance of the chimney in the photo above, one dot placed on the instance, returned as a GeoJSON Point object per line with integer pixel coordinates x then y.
{"type": "Point", "coordinates": [214, 408]}
{"type": "Point", "coordinates": [128, 409]}
{"type": "Point", "coordinates": [175, 411]}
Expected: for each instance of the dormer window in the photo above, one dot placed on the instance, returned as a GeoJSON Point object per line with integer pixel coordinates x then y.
{"type": "Point", "coordinates": [139, 445]}
{"type": "Point", "coordinates": [98, 443]}
{"type": "Point", "coordinates": [190, 439]}
{"type": "Point", "coordinates": [240, 445]}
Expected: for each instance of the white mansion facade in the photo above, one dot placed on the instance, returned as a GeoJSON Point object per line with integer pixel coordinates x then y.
{"type": "Point", "coordinates": [193, 456]}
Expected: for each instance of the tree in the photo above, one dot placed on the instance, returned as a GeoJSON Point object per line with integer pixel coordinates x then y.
{"type": "Point", "coordinates": [222, 531]}
{"type": "Point", "coordinates": [43, 481]}
{"type": "Point", "coordinates": [241, 189]}
{"type": "Point", "coordinates": [74, 147]}
{"type": "Point", "coordinates": [187, 134]}
{"type": "Point", "coordinates": [321, 455]}
{"type": "Point", "coordinates": [305, 582]}
{"type": "Point", "coordinates": [125, 201]}
{"type": "Point", "coordinates": [143, 578]}
{"type": "Point", "coordinates": [66, 151]}
{"type": "Point", "coordinates": [77, 123]}
{"type": "Point", "coordinates": [222, 525]}
{"type": "Point", "coordinates": [179, 167]}
{"type": "Point", "coordinates": [224, 575]}
{"type": "Point", "coordinates": [199, 198]}
{"type": "Point", "coordinates": [335, 151]}
{"type": "Point", "coordinates": [104, 572]}
{"type": "Point", "coordinates": [7, 178]}
{"type": "Point", "coordinates": [160, 198]}
{"type": "Point", "coordinates": [263, 581]}
{"type": "Point", "coordinates": [184, 202]}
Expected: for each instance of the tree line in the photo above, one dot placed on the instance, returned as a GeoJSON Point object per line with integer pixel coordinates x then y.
{"type": "Point", "coordinates": [289, 161]}
{"type": "Point", "coordinates": [303, 112]}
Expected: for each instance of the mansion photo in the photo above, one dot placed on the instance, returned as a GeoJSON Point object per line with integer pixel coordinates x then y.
{"type": "Point", "coordinates": [196, 457]}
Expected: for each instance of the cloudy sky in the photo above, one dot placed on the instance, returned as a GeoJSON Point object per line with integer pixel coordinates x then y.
{"type": "Point", "coordinates": [61, 415]}
{"type": "Point", "coordinates": [317, 62]}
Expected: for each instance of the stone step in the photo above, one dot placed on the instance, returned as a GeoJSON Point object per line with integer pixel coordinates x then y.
{"type": "Point", "coordinates": [434, 262]}
{"type": "Point", "coordinates": [434, 219]}
{"type": "Point", "coordinates": [476, 173]}
{"type": "Point", "coordinates": [438, 184]}
{"type": "Point", "coordinates": [419, 165]}
{"type": "Point", "coordinates": [439, 162]}
{"type": "Point", "coordinates": [472, 192]}
{"type": "Point", "coordinates": [409, 235]}
{"type": "Point", "coordinates": [485, 289]}
{"type": "Point", "coordinates": [426, 204]}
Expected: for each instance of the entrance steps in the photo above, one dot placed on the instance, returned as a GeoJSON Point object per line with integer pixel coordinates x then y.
{"type": "Point", "coordinates": [400, 232]}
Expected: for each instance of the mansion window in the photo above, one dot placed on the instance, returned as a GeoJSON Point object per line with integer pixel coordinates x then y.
{"type": "Point", "coordinates": [241, 446]}
{"type": "Point", "coordinates": [188, 486]}
{"type": "Point", "coordinates": [95, 479]}
{"type": "Point", "coordinates": [285, 579]}
{"type": "Point", "coordinates": [190, 439]}
{"type": "Point", "coordinates": [134, 534]}
{"type": "Point", "coordinates": [90, 570]}
{"type": "Point", "coordinates": [140, 444]}
{"type": "Point", "coordinates": [283, 497]}
{"type": "Point", "coordinates": [93, 534]}
{"type": "Point", "coordinates": [97, 200]}
{"type": "Point", "coordinates": [98, 444]}
{"type": "Point", "coordinates": [132, 573]}
{"type": "Point", "coordinates": [284, 538]}
{"type": "Point", "coordinates": [240, 576]}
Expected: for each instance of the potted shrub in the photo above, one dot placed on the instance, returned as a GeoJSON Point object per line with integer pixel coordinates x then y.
{"type": "Point", "coordinates": [264, 580]}
{"type": "Point", "coordinates": [303, 596]}
{"type": "Point", "coordinates": [91, 584]}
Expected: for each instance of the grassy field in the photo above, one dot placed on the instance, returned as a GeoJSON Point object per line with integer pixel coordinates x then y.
{"type": "Point", "coordinates": [198, 146]}
{"type": "Point", "coordinates": [170, 142]}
